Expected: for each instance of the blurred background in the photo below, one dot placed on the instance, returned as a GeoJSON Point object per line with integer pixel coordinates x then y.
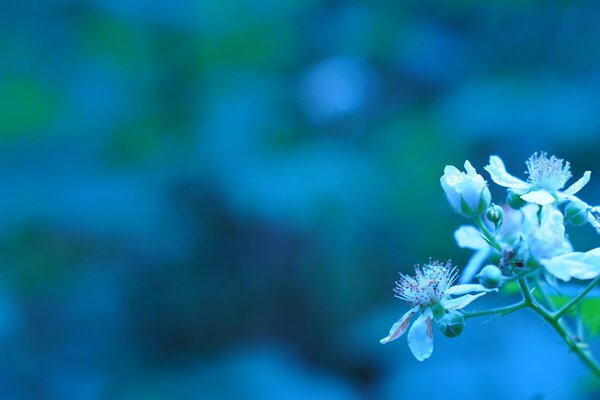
{"type": "Point", "coordinates": [212, 199]}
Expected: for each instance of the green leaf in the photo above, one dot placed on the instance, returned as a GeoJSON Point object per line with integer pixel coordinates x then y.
{"type": "Point", "coordinates": [511, 288]}
{"type": "Point", "coordinates": [590, 312]}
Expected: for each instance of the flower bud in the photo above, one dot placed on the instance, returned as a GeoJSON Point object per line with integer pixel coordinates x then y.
{"type": "Point", "coordinates": [452, 324]}
{"type": "Point", "coordinates": [514, 200]}
{"type": "Point", "coordinates": [495, 215]}
{"type": "Point", "coordinates": [490, 277]}
{"type": "Point", "coordinates": [576, 213]}
{"type": "Point", "coordinates": [467, 193]}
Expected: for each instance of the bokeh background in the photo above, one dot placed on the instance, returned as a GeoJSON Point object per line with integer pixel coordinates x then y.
{"type": "Point", "coordinates": [212, 199]}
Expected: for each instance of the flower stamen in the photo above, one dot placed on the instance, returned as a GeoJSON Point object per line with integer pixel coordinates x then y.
{"type": "Point", "coordinates": [548, 173]}
{"type": "Point", "coordinates": [428, 286]}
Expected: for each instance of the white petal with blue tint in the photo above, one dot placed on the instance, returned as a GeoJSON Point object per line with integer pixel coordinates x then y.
{"type": "Point", "coordinates": [577, 186]}
{"type": "Point", "coordinates": [469, 168]}
{"type": "Point", "coordinates": [467, 288]}
{"type": "Point", "coordinates": [469, 237]}
{"type": "Point", "coordinates": [574, 265]}
{"type": "Point", "coordinates": [420, 337]}
{"type": "Point", "coordinates": [499, 175]}
{"type": "Point", "coordinates": [541, 197]}
{"type": "Point", "coordinates": [460, 302]}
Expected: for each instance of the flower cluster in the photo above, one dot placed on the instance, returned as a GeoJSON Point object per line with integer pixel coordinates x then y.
{"type": "Point", "coordinates": [526, 237]}
{"type": "Point", "coordinates": [535, 229]}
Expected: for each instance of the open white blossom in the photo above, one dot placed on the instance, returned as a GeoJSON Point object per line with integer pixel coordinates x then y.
{"type": "Point", "coordinates": [543, 232]}
{"type": "Point", "coordinates": [544, 239]}
{"type": "Point", "coordinates": [547, 177]}
{"type": "Point", "coordinates": [432, 285]}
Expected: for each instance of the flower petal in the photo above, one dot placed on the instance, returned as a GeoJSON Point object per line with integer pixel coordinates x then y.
{"type": "Point", "coordinates": [474, 265]}
{"type": "Point", "coordinates": [451, 193]}
{"type": "Point", "coordinates": [460, 302]}
{"type": "Point", "coordinates": [577, 186]}
{"type": "Point", "coordinates": [451, 170]}
{"type": "Point", "coordinates": [540, 197]}
{"type": "Point", "coordinates": [544, 235]}
{"type": "Point", "coordinates": [574, 265]}
{"type": "Point", "coordinates": [420, 337]}
{"type": "Point", "coordinates": [499, 175]}
{"type": "Point", "coordinates": [468, 288]}
{"type": "Point", "coordinates": [531, 214]}
{"type": "Point", "coordinates": [469, 168]}
{"type": "Point", "coordinates": [469, 237]}
{"type": "Point", "coordinates": [399, 327]}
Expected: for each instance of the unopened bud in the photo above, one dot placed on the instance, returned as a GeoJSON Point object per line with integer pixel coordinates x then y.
{"type": "Point", "coordinates": [514, 200]}
{"type": "Point", "coordinates": [490, 277]}
{"type": "Point", "coordinates": [576, 213]}
{"type": "Point", "coordinates": [452, 324]}
{"type": "Point", "coordinates": [495, 215]}
{"type": "Point", "coordinates": [467, 192]}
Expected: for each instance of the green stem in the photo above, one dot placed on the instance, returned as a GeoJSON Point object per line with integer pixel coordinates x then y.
{"type": "Point", "coordinates": [488, 235]}
{"type": "Point", "coordinates": [552, 318]}
{"type": "Point", "coordinates": [527, 297]}
{"type": "Point", "coordinates": [499, 310]}
{"type": "Point", "coordinates": [580, 328]}
{"type": "Point", "coordinates": [517, 276]}
{"type": "Point", "coordinates": [564, 309]}
{"type": "Point", "coordinates": [563, 332]}
{"type": "Point", "coordinates": [528, 301]}
{"type": "Point", "coordinates": [545, 296]}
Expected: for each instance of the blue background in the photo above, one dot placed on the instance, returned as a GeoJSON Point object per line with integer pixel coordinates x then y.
{"type": "Point", "coordinates": [212, 199]}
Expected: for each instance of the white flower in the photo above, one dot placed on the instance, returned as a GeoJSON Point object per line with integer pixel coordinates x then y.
{"type": "Point", "coordinates": [544, 236]}
{"type": "Point", "coordinates": [431, 285]}
{"type": "Point", "coordinates": [467, 192]}
{"type": "Point", "coordinates": [544, 239]}
{"type": "Point", "coordinates": [547, 176]}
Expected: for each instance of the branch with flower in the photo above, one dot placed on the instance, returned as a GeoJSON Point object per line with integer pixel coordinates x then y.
{"type": "Point", "coordinates": [523, 243]}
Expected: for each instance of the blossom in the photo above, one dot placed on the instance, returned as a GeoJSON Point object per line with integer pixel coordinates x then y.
{"type": "Point", "coordinates": [467, 192]}
{"type": "Point", "coordinates": [431, 286]}
{"type": "Point", "coordinates": [544, 240]}
{"type": "Point", "coordinates": [547, 177]}
{"type": "Point", "coordinates": [543, 232]}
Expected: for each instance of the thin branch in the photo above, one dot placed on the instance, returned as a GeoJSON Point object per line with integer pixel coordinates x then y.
{"type": "Point", "coordinates": [565, 309]}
